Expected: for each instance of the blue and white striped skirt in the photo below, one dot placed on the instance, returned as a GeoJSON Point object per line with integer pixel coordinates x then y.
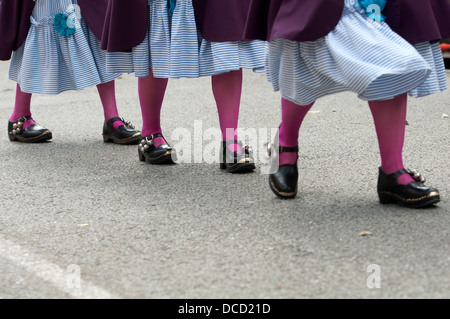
{"type": "Point", "coordinates": [367, 58]}
{"type": "Point", "coordinates": [49, 63]}
{"type": "Point", "coordinates": [174, 48]}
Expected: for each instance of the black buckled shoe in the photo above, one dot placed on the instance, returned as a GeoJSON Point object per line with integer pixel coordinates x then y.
{"type": "Point", "coordinates": [125, 134]}
{"type": "Point", "coordinates": [413, 195]}
{"type": "Point", "coordinates": [32, 134]}
{"type": "Point", "coordinates": [151, 154]}
{"type": "Point", "coordinates": [283, 179]}
{"type": "Point", "coordinates": [236, 162]}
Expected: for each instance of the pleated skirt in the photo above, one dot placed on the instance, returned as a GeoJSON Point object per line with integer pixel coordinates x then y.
{"type": "Point", "coordinates": [359, 55]}
{"type": "Point", "coordinates": [174, 48]}
{"type": "Point", "coordinates": [50, 63]}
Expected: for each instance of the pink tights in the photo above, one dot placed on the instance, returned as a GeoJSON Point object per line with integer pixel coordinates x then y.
{"type": "Point", "coordinates": [22, 107]}
{"type": "Point", "coordinates": [389, 118]}
{"type": "Point", "coordinates": [292, 116]}
{"type": "Point", "coordinates": [106, 92]}
{"type": "Point", "coordinates": [227, 93]}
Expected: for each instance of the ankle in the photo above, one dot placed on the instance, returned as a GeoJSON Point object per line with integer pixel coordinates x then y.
{"type": "Point", "coordinates": [28, 123]}
{"type": "Point", "coordinates": [288, 158]}
{"type": "Point", "coordinates": [115, 121]}
{"type": "Point", "coordinates": [15, 117]}
{"type": "Point", "coordinates": [233, 147]}
{"type": "Point", "coordinates": [117, 124]}
{"type": "Point", "coordinates": [158, 140]}
{"type": "Point", "coordinates": [403, 179]}
{"type": "Point", "coordinates": [26, 120]}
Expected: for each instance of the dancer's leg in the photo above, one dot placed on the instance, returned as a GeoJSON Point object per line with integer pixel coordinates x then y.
{"type": "Point", "coordinates": [227, 89]}
{"type": "Point", "coordinates": [151, 96]}
{"type": "Point", "coordinates": [292, 116]}
{"type": "Point", "coordinates": [390, 120]}
{"type": "Point", "coordinates": [22, 107]}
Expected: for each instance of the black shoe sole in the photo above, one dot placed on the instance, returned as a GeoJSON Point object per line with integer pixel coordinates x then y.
{"type": "Point", "coordinates": [238, 168]}
{"type": "Point", "coordinates": [167, 158]}
{"type": "Point", "coordinates": [37, 139]}
{"type": "Point", "coordinates": [128, 141]}
{"type": "Point", "coordinates": [391, 198]}
{"type": "Point", "coordinates": [281, 194]}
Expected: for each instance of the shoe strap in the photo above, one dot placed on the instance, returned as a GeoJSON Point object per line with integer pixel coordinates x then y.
{"type": "Point", "coordinates": [113, 119]}
{"type": "Point", "coordinates": [155, 136]}
{"type": "Point", "coordinates": [399, 173]}
{"type": "Point", "coordinates": [23, 119]}
{"type": "Point", "coordinates": [229, 142]}
{"type": "Point", "coordinates": [152, 137]}
{"type": "Point", "coordinates": [126, 123]}
{"type": "Point", "coordinates": [415, 175]}
{"type": "Point", "coordinates": [247, 148]}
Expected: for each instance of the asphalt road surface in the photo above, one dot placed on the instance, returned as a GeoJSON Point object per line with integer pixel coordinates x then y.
{"type": "Point", "coordinates": [80, 218]}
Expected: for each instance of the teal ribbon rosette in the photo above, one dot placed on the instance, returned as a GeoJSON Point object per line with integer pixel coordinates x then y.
{"type": "Point", "coordinates": [63, 25]}
{"type": "Point", "coordinates": [171, 4]}
{"type": "Point", "coordinates": [373, 9]}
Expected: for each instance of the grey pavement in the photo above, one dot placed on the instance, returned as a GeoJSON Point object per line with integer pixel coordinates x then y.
{"type": "Point", "coordinates": [80, 218]}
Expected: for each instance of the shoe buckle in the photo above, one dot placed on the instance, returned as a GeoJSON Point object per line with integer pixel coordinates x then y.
{"type": "Point", "coordinates": [416, 175]}
{"type": "Point", "coordinates": [248, 149]}
{"type": "Point", "coordinates": [146, 143]}
{"type": "Point", "coordinates": [269, 149]}
{"type": "Point", "coordinates": [128, 124]}
{"type": "Point", "coordinates": [17, 126]}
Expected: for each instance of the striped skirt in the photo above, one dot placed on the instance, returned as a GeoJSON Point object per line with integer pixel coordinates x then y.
{"type": "Point", "coordinates": [49, 63]}
{"type": "Point", "coordinates": [174, 48]}
{"type": "Point", "coordinates": [364, 57]}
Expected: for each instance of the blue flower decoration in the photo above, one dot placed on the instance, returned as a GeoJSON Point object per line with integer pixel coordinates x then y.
{"type": "Point", "coordinates": [63, 25]}
{"type": "Point", "coordinates": [171, 4]}
{"type": "Point", "coordinates": [373, 8]}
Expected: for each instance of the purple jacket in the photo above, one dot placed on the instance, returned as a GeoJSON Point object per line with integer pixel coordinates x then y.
{"type": "Point", "coordinates": [303, 20]}
{"type": "Point", "coordinates": [15, 21]}
{"type": "Point", "coordinates": [126, 21]}
{"type": "Point", "coordinates": [419, 21]}
{"type": "Point", "coordinates": [300, 20]}
{"type": "Point", "coordinates": [231, 15]}
{"type": "Point", "coordinates": [126, 24]}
